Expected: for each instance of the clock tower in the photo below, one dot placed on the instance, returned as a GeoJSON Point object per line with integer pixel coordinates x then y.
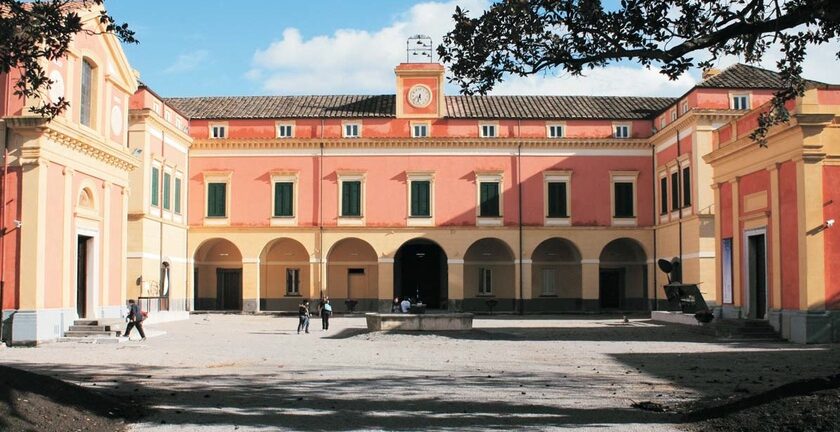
{"type": "Point", "coordinates": [420, 85]}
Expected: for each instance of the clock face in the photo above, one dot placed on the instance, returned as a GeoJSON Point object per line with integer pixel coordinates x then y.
{"type": "Point", "coordinates": [419, 96]}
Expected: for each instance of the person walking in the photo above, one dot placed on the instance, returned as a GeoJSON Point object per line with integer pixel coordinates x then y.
{"type": "Point", "coordinates": [303, 314]}
{"type": "Point", "coordinates": [326, 312]}
{"type": "Point", "coordinates": [135, 319]}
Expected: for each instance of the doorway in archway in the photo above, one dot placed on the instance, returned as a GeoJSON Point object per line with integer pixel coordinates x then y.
{"type": "Point", "coordinates": [420, 272]}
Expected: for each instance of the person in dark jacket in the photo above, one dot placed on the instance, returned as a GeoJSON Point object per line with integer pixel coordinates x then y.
{"type": "Point", "coordinates": [303, 314]}
{"type": "Point", "coordinates": [135, 319]}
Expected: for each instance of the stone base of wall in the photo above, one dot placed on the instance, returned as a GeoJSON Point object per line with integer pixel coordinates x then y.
{"type": "Point", "coordinates": [33, 327]}
{"type": "Point", "coordinates": [419, 322]}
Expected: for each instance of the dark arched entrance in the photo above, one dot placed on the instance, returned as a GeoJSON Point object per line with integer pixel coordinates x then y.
{"type": "Point", "coordinates": [420, 272]}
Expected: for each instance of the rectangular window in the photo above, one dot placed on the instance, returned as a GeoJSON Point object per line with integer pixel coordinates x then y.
{"type": "Point", "coordinates": [421, 198]}
{"type": "Point", "coordinates": [284, 131]}
{"type": "Point", "coordinates": [351, 130]}
{"type": "Point", "coordinates": [87, 93]}
{"type": "Point", "coordinates": [489, 199]}
{"type": "Point", "coordinates": [622, 131]}
{"type": "Point", "coordinates": [662, 123]}
{"type": "Point", "coordinates": [155, 186]}
{"type": "Point", "coordinates": [217, 199]}
{"type": "Point", "coordinates": [557, 200]}
{"type": "Point", "coordinates": [488, 131]}
{"type": "Point", "coordinates": [177, 195]}
{"type": "Point", "coordinates": [167, 180]}
{"type": "Point", "coordinates": [549, 282]}
{"type": "Point", "coordinates": [673, 114]}
{"type": "Point", "coordinates": [741, 102]}
{"type": "Point", "coordinates": [685, 107]}
{"type": "Point", "coordinates": [351, 198]}
{"type": "Point", "coordinates": [420, 131]}
{"type": "Point", "coordinates": [623, 200]}
{"type": "Point", "coordinates": [178, 123]}
{"type": "Point", "coordinates": [555, 131]}
{"type": "Point", "coordinates": [675, 191]}
{"type": "Point", "coordinates": [284, 199]}
{"type": "Point", "coordinates": [686, 186]}
{"type": "Point", "coordinates": [663, 195]}
{"type": "Point", "coordinates": [485, 281]}
{"type": "Point", "coordinates": [217, 132]}
{"type": "Point", "coordinates": [292, 281]}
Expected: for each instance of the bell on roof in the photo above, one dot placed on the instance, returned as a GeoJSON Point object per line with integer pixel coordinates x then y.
{"type": "Point", "coordinates": [418, 49]}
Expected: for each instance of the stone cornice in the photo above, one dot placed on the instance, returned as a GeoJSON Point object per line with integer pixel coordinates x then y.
{"type": "Point", "coordinates": [74, 138]}
{"type": "Point", "coordinates": [148, 115]}
{"type": "Point", "coordinates": [694, 117]}
{"type": "Point", "coordinates": [430, 143]}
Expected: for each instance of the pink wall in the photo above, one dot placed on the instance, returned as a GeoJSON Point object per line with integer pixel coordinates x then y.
{"type": "Point", "coordinates": [394, 128]}
{"type": "Point", "coordinates": [828, 96]}
{"type": "Point", "coordinates": [386, 189]}
{"type": "Point", "coordinates": [831, 210]}
{"type": "Point", "coordinates": [752, 183]}
{"type": "Point", "coordinates": [789, 236]}
{"type": "Point", "coordinates": [725, 210]}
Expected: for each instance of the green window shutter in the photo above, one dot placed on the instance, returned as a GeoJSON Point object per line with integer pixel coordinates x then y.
{"type": "Point", "coordinates": [557, 200]}
{"type": "Point", "coordinates": [216, 195]}
{"type": "Point", "coordinates": [623, 199]}
{"type": "Point", "coordinates": [155, 186]}
{"type": "Point", "coordinates": [177, 195]}
{"type": "Point", "coordinates": [351, 199]}
{"type": "Point", "coordinates": [167, 179]}
{"type": "Point", "coordinates": [686, 187]}
{"type": "Point", "coordinates": [489, 199]}
{"type": "Point", "coordinates": [420, 198]}
{"type": "Point", "coordinates": [675, 191]}
{"type": "Point", "coordinates": [283, 199]}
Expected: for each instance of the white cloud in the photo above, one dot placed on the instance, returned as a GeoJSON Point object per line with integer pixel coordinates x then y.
{"type": "Point", "coordinates": [359, 61]}
{"type": "Point", "coordinates": [350, 60]}
{"type": "Point", "coordinates": [187, 62]}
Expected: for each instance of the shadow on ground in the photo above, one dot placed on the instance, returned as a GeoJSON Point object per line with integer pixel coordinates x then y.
{"type": "Point", "coordinates": [392, 402]}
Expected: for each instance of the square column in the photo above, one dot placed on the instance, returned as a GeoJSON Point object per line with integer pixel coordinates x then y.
{"type": "Point", "coordinates": [455, 276]}
{"type": "Point", "coordinates": [386, 284]}
{"type": "Point", "coordinates": [251, 285]}
{"type": "Point", "coordinates": [590, 283]}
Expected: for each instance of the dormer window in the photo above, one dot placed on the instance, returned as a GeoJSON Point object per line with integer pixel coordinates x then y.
{"type": "Point", "coordinates": [621, 131]}
{"type": "Point", "coordinates": [740, 102]}
{"type": "Point", "coordinates": [488, 130]}
{"type": "Point", "coordinates": [285, 130]}
{"type": "Point", "coordinates": [555, 131]}
{"type": "Point", "coordinates": [218, 131]}
{"type": "Point", "coordinates": [352, 130]}
{"type": "Point", "coordinates": [684, 107]}
{"type": "Point", "coordinates": [673, 114]}
{"type": "Point", "coordinates": [419, 130]}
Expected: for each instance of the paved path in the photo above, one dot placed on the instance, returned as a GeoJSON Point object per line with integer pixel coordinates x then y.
{"type": "Point", "coordinates": [226, 372]}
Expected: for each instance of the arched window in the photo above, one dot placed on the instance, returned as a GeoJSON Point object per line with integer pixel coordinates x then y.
{"type": "Point", "coordinates": [86, 199]}
{"type": "Point", "coordinates": [87, 93]}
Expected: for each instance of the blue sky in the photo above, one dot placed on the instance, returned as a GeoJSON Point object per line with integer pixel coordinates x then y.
{"type": "Point", "coordinates": [254, 47]}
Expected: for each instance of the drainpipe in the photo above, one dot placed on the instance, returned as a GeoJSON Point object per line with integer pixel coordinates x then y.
{"type": "Point", "coordinates": [323, 286]}
{"type": "Point", "coordinates": [519, 195]}
{"type": "Point", "coordinates": [3, 225]}
{"type": "Point", "coordinates": [655, 223]}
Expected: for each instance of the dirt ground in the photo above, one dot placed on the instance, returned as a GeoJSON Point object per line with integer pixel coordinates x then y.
{"type": "Point", "coordinates": [226, 372]}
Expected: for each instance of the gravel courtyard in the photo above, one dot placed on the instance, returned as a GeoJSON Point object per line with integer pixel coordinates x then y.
{"type": "Point", "coordinates": [226, 372]}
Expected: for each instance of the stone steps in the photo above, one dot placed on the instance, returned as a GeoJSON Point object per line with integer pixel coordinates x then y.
{"type": "Point", "coordinates": [97, 328]}
{"type": "Point", "coordinates": [745, 329]}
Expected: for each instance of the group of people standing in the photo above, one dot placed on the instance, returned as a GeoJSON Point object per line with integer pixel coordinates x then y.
{"type": "Point", "coordinates": [324, 311]}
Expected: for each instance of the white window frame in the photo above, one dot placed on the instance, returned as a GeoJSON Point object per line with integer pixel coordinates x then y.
{"type": "Point", "coordinates": [212, 127]}
{"type": "Point", "coordinates": [284, 177]}
{"type": "Point", "coordinates": [674, 114]}
{"type": "Point", "coordinates": [285, 125]}
{"type": "Point", "coordinates": [414, 125]}
{"type": "Point", "coordinates": [662, 123]}
{"type": "Point", "coordinates": [663, 216]}
{"type": "Point", "coordinates": [684, 107]}
{"type": "Point", "coordinates": [178, 124]}
{"type": "Point", "coordinates": [156, 210]}
{"type": "Point", "coordinates": [346, 124]}
{"type": "Point", "coordinates": [167, 115]}
{"type": "Point", "coordinates": [493, 125]}
{"type": "Point", "coordinates": [483, 271]}
{"type": "Point", "coordinates": [225, 177]}
{"type": "Point", "coordinates": [295, 284]}
{"type": "Point", "coordinates": [624, 177]}
{"type": "Point", "coordinates": [156, 108]}
{"type": "Point", "coordinates": [740, 96]}
{"type": "Point", "coordinates": [491, 177]}
{"type": "Point", "coordinates": [673, 168]}
{"type": "Point", "coordinates": [550, 126]}
{"type": "Point", "coordinates": [557, 177]}
{"type": "Point", "coordinates": [420, 220]}
{"type": "Point", "coordinates": [685, 163]}
{"type": "Point", "coordinates": [625, 126]}
{"type": "Point", "coordinates": [351, 220]}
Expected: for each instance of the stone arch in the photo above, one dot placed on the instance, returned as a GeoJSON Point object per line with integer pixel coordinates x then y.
{"type": "Point", "coordinates": [217, 280]}
{"type": "Point", "coordinates": [284, 274]}
{"type": "Point", "coordinates": [353, 274]}
{"type": "Point", "coordinates": [421, 272]}
{"type": "Point", "coordinates": [556, 275]}
{"type": "Point", "coordinates": [623, 277]}
{"type": "Point", "coordinates": [489, 275]}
